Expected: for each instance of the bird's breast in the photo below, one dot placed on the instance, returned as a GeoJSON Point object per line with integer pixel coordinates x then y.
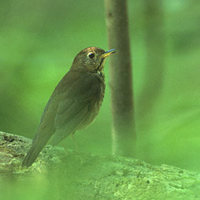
{"type": "Point", "coordinates": [96, 99]}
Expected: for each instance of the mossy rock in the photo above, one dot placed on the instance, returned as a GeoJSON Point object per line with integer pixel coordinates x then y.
{"type": "Point", "coordinates": [58, 174]}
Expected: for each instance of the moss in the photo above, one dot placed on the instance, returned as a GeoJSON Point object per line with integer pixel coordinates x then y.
{"type": "Point", "coordinates": [70, 175]}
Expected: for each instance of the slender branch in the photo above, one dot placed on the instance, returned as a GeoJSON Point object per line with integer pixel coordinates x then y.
{"type": "Point", "coordinates": [120, 77]}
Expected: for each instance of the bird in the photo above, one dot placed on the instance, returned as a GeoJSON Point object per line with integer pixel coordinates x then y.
{"type": "Point", "coordinates": [74, 103]}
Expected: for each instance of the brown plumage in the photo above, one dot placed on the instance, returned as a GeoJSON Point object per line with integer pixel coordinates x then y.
{"type": "Point", "coordinates": [74, 103]}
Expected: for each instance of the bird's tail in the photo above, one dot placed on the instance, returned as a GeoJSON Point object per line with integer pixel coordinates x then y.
{"type": "Point", "coordinates": [34, 151]}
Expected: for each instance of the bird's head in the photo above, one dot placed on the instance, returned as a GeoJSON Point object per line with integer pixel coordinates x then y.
{"type": "Point", "coordinates": [91, 59]}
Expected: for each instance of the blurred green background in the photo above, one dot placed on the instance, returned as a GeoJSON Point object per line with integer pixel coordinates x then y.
{"type": "Point", "coordinates": [39, 39]}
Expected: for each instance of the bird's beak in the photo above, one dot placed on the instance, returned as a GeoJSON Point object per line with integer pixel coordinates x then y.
{"type": "Point", "coordinates": [107, 53]}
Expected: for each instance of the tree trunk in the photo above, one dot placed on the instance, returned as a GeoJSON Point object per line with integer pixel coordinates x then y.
{"type": "Point", "coordinates": [155, 61]}
{"type": "Point", "coordinates": [120, 78]}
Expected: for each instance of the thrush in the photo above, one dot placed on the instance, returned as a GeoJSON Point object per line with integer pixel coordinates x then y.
{"type": "Point", "coordinates": [74, 103]}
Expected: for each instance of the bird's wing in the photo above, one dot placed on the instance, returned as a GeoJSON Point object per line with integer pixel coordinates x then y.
{"type": "Point", "coordinates": [69, 121]}
{"type": "Point", "coordinates": [75, 106]}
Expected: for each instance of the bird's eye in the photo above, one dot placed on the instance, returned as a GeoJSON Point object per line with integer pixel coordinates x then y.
{"type": "Point", "coordinates": [91, 55]}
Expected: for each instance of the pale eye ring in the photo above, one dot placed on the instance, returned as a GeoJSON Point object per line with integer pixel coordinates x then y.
{"type": "Point", "coordinates": [91, 55]}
